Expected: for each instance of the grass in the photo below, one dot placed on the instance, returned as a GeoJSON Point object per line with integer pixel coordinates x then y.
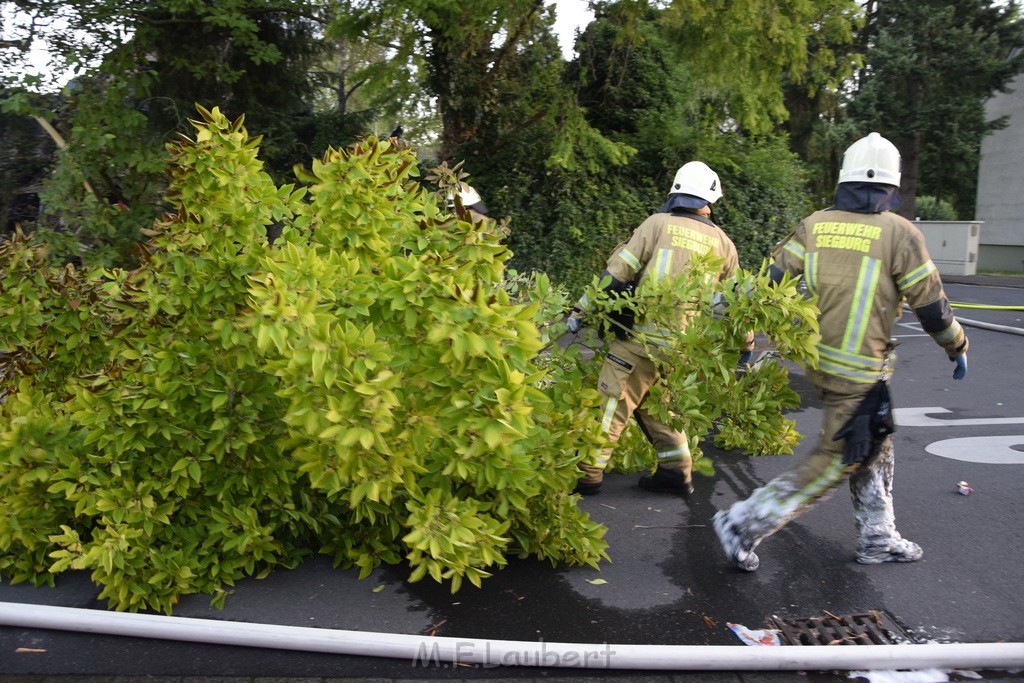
{"type": "Point", "coordinates": [1011, 273]}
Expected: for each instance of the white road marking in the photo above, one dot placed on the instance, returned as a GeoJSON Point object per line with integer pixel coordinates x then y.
{"type": "Point", "coordinates": [994, 450]}
{"type": "Point", "coordinates": [918, 417]}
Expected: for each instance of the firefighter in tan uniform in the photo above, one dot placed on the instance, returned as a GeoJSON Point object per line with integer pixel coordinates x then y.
{"type": "Point", "coordinates": [862, 261]}
{"type": "Point", "coordinates": [660, 247]}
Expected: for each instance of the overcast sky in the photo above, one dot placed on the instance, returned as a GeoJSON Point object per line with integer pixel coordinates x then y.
{"type": "Point", "coordinates": [570, 15]}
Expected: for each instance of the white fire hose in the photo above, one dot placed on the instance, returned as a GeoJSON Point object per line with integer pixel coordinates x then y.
{"type": "Point", "coordinates": [428, 650]}
{"type": "Point", "coordinates": [990, 326]}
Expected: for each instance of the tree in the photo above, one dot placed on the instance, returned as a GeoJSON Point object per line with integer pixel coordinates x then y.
{"type": "Point", "coordinates": [489, 65]}
{"type": "Point", "coordinates": [744, 52]}
{"type": "Point", "coordinates": [141, 69]}
{"type": "Point", "coordinates": [634, 92]}
{"type": "Point", "coordinates": [815, 123]}
{"type": "Point", "coordinates": [930, 65]}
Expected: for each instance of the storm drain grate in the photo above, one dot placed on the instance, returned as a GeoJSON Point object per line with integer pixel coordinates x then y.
{"type": "Point", "coordinates": [872, 628]}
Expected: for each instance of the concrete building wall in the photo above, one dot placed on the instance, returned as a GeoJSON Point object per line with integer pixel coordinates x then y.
{"type": "Point", "coordinates": [1000, 204]}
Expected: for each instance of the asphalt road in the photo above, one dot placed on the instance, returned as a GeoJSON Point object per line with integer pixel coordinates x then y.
{"type": "Point", "coordinates": [668, 582]}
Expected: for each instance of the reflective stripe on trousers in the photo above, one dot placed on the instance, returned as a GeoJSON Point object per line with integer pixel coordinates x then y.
{"type": "Point", "coordinates": [672, 447]}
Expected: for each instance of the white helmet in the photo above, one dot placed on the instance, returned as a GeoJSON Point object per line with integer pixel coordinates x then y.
{"type": "Point", "coordinates": [468, 195]}
{"type": "Point", "coordinates": [695, 178]}
{"type": "Point", "coordinates": [871, 160]}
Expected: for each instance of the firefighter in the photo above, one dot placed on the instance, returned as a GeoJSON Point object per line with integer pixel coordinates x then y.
{"type": "Point", "coordinates": [862, 261]}
{"type": "Point", "coordinates": [661, 246]}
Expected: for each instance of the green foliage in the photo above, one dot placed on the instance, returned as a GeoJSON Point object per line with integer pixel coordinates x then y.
{"type": "Point", "coordinates": [566, 223]}
{"type": "Point", "coordinates": [365, 387]}
{"type": "Point", "coordinates": [744, 52]}
{"type": "Point", "coordinates": [579, 147]}
{"type": "Point", "coordinates": [701, 391]}
{"type": "Point", "coordinates": [935, 209]}
{"type": "Point", "coordinates": [622, 71]}
{"type": "Point", "coordinates": [762, 196]}
{"type": "Point", "coordinates": [138, 70]}
{"type": "Point", "coordinates": [814, 105]}
{"type": "Point", "coordinates": [567, 217]}
{"type": "Point", "coordinates": [258, 56]}
{"type": "Point", "coordinates": [375, 385]}
{"type": "Point", "coordinates": [476, 58]}
{"type": "Point", "coordinates": [107, 181]}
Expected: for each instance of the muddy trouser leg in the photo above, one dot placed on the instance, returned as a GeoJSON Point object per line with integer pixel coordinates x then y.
{"type": "Point", "coordinates": [624, 381]}
{"type": "Point", "coordinates": [593, 473]}
{"type": "Point", "coordinates": [784, 498]}
{"type": "Point", "coordinates": [871, 488]}
{"type": "Point", "coordinates": [792, 493]}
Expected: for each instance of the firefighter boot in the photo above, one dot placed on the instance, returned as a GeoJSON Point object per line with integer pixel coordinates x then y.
{"type": "Point", "coordinates": [739, 552]}
{"type": "Point", "coordinates": [899, 550]}
{"type": "Point", "coordinates": [665, 480]}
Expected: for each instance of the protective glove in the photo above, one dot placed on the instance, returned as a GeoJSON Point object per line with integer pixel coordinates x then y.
{"type": "Point", "coordinates": [870, 424]}
{"type": "Point", "coordinates": [961, 366]}
{"type": "Point", "coordinates": [575, 321]}
{"type": "Point", "coordinates": [857, 432]}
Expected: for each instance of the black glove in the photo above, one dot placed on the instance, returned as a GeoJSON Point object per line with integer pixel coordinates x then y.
{"type": "Point", "coordinates": [857, 432]}
{"type": "Point", "coordinates": [870, 424]}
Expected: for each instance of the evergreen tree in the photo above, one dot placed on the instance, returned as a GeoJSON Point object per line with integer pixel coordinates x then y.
{"type": "Point", "coordinates": [930, 66]}
{"type": "Point", "coordinates": [142, 68]}
{"type": "Point", "coordinates": [635, 92]}
{"type": "Point", "coordinates": [744, 52]}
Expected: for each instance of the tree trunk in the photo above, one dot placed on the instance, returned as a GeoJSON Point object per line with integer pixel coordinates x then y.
{"type": "Point", "coordinates": [343, 67]}
{"type": "Point", "coordinates": [910, 150]}
{"type": "Point", "coordinates": [458, 70]}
